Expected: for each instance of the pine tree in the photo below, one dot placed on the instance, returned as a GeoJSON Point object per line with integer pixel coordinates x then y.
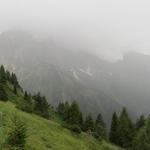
{"type": "Point", "coordinates": [15, 90]}
{"type": "Point", "coordinates": [14, 80]}
{"type": "Point", "coordinates": [17, 133]}
{"type": "Point", "coordinates": [113, 137]}
{"type": "Point", "coordinates": [61, 109]}
{"type": "Point", "coordinates": [41, 105]}
{"type": "Point", "coordinates": [3, 94]}
{"type": "Point", "coordinates": [73, 114]}
{"type": "Point", "coordinates": [100, 128]}
{"type": "Point", "coordinates": [142, 139]}
{"type": "Point", "coordinates": [81, 121]}
{"type": "Point", "coordinates": [66, 110]}
{"type": "Point", "coordinates": [100, 120]}
{"type": "Point", "coordinates": [27, 104]}
{"type": "Point", "coordinates": [125, 130]}
{"type": "Point", "coordinates": [89, 124]}
{"type": "Point", "coordinates": [140, 122]}
{"type": "Point", "coordinates": [8, 76]}
{"type": "Point", "coordinates": [38, 102]}
{"type": "Point", "coordinates": [27, 97]}
{"type": "Point", "coordinates": [45, 107]}
{"type": "Point", "coordinates": [2, 75]}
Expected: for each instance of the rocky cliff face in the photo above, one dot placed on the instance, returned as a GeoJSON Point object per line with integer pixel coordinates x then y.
{"type": "Point", "coordinates": [61, 74]}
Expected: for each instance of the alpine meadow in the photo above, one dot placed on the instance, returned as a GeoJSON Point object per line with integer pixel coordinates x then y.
{"type": "Point", "coordinates": [74, 75]}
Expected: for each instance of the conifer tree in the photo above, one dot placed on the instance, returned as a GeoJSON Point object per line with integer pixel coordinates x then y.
{"type": "Point", "coordinates": [100, 128]}
{"type": "Point", "coordinates": [3, 94]}
{"type": "Point", "coordinates": [27, 104]}
{"type": "Point", "coordinates": [89, 124]}
{"type": "Point", "coordinates": [66, 110]}
{"type": "Point", "coordinates": [140, 122]}
{"type": "Point", "coordinates": [17, 133]}
{"type": "Point", "coordinates": [15, 90]}
{"type": "Point", "coordinates": [27, 97]}
{"type": "Point", "coordinates": [41, 105]}
{"type": "Point", "coordinates": [38, 102]}
{"type": "Point", "coordinates": [100, 120]}
{"type": "Point", "coordinates": [142, 139]}
{"type": "Point", "coordinates": [61, 109]}
{"type": "Point", "coordinates": [14, 80]}
{"type": "Point", "coordinates": [8, 76]}
{"type": "Point", "coordinates": [73, 114]}
{"type": "Point", "coordinates": [2, 75]}
{"type": "Point", "coordinates": [45, 107]}
{"type": "Point", "coordinates": [81, 121]}
{"type": "Point", "coordinates": [113, 135]}
{"type": "Point", "coordinates": [125, 130]}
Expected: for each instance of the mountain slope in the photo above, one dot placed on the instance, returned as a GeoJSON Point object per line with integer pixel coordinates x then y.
{"type": "Point", "coordinates": [42, 134]}
{"type": "Point", "coordinates": [60, 74]}
{"type": "Point", "coordinates": [65, 75]}
{"type": "Point", "coordinates": [46, 134]}
{"type": "Point", "coordinates": [130, 81]}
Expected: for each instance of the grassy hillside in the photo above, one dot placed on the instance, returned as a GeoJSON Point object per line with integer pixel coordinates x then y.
{"type": "Point", "coordinates": [42, 134]}
{"type": "Point", "coordinates": [47, 134]}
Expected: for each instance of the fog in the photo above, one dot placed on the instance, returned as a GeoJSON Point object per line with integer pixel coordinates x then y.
{"type": "Point", "coordinates": [102, 27]}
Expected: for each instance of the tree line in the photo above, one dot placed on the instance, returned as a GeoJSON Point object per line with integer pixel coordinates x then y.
{"type": "Point", "coordinates": [29, 103]}
{"type": "Point", "coordinates": [72, 115]}
{"type": "Point", "coordinates": [123, 131]}
{"type": "Point", "coordinates": [128, 134]}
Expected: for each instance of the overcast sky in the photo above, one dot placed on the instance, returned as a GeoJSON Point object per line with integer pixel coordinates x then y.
{"type": "Point", "coordinates": [103, 27]}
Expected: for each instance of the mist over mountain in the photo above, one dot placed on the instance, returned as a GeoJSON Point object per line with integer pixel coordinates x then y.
{"type": "Point", "coordinates": [64, 75]}
{"type": "Point", "coordinates": [75, 74]}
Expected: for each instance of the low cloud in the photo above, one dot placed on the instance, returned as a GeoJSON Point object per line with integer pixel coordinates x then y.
{"type": "Point", "coordinates": [105, 28]}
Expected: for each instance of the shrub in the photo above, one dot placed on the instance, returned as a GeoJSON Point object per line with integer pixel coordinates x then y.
{"type": "Point", "coordinates": [17, 133]}
{"type": "Point", "coordinates": [74, 128]}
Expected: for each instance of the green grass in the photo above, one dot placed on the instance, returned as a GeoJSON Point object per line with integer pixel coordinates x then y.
{"type": "Point", "coordinates": [43, 134]}
{"type": "Point", "coordinates": [47, 134]}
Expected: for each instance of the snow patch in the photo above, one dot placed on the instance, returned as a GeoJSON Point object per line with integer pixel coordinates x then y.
{"type": "Point", "coordinates": [75, 74]}
{"type": "Point", "coordinates": [87, 71]}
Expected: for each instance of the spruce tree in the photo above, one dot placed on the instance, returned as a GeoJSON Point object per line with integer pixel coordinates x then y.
{"type": "Point", "coordinates": [41, 105]}
{"type": "Point", "coordinates": [66, 110]}
{"type": "Point", "coordinates": [14, 80]}
{"type": "Point", "coordinates": [113, 135]}
{"type": "Point", "coordinates": [27, 104]}
{"type": "Point", "coordinates": [100, 120]}
{"type": "Point", "coordinates": [15, 90]}
{"type": "Point", "coordinates": [73, 114]}
{"type": "Point", "coordinates": [61, 109]}
{"type": "Point", "coordinates": [8, 76]}
{"type": "Point", "coordinates": [142, 139]}
{"type": "Point", "coordinates": [17, 133]}
{"type": "Point", "coordinates": [125, 130]}
{"type": "Point", "coordinates": [3, 94]}
{"type": "Point", "coordinates": [100, 128]}
{"type": "Point", "coordinates": [81, 121]}
{"type": "Point", "coordinates": [89, 124]}
{"type": "Point", "coordinates": [140, 122]}
{"type": "Point", "coordinates": [25, 95]}
{"type": "Point", "coordinates": [2, 75]}
{"type": "Point", "coordinates": [45, 107]}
